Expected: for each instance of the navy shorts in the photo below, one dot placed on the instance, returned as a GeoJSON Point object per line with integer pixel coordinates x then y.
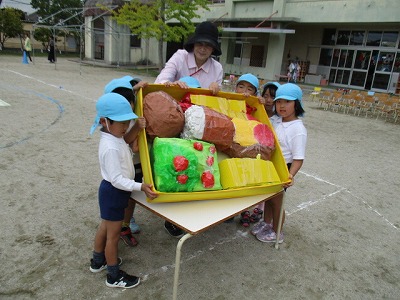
{"type": "Point", "coordinates": [112, 202]}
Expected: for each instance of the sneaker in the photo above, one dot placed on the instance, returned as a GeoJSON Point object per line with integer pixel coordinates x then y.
{"type": "Point", "coordinates": [260, 226]}
{"type": "Point", "coordinates": [98, 268]}
{"type": "Point", "coordinates": [127, 237]}
{"type": "Point", "coordinates": [123, 280]}
{"type": "Point", "coordinates": [173, 230]}
{"type": "Point", "coordinates": [133, 226]}
{"type": "Point", "coordinates": [268, 235]}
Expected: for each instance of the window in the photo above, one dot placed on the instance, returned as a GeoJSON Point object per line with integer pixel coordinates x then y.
{"type": "Point", "coordinates": [374, 38]}
{"type": "Point", "coordinates": [325, 57]}
{"type": "Point", "coordinates": [389, 39]}
{"type": "Point", "coordinates": [357, 37]}
{"type": "Point", "coordinates": [343, 37]}
{"type": "Point", "coordinates": [135, 41]}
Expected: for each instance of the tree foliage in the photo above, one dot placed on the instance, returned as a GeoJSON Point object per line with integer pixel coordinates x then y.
{"type": "Point", "coordinates": [164, 20]}
{"type": "Point", "coordinates": [10, 24]}
{"type": "Point", "coordinates": [45, 8]}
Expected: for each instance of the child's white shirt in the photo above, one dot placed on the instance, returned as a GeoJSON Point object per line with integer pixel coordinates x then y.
{"type": "Point", "coordinates": [292, 137]}
{"type": "Point", "coordinates": [116, 163]}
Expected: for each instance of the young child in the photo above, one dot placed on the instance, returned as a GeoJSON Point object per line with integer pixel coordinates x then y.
{"type": "Point", "coordinates": [292, 136]}
{"type": "Point", "coordinates": [114, 114]}
{"type": "Point", "coordinates": [267, 96]}
{"type": "Point", "coordinates": [127, 86]}
{"type": "Point", "coordinates": [247, 84]}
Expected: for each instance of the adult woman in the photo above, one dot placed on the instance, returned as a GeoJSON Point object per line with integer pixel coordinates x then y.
{"type": "Point", "coordinates": [196, 60]}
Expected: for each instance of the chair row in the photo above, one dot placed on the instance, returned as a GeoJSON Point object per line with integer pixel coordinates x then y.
{"type": "Point", "coordinates": [361, 103]}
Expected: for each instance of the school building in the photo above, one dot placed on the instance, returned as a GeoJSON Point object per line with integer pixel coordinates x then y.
{"type": "Point", "coordinates": [351, 44]}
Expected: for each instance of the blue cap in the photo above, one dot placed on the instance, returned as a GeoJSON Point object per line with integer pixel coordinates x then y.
{"type": "Point", "coordinates": [250, 78]}
{"type": "Point", "coordinates": [112, 106]}
{"type": "Point", "coordinates": [124, 82]}
{"type": "Point", "coordinates": [289, 91]}
{"type": "Point", "coordinates": [191, 82]}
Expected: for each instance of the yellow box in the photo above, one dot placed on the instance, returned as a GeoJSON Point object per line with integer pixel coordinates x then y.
{"type": "Point", "coordinates": [260, 114]}
{"type": "Point", "coordinates": [246, 172]}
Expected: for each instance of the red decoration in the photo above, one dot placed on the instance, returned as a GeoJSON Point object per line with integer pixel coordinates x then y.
{"type": "Point", "coordinates": [198, 146]}
{"type": "Point", "coordinates": [210, 161]}
{"type": "Point", "coordinates": [212, 149]}
{"type": "Point", "coordinates": [182, 179]}
{"type": "Point", "coordinates": [180, 163]}
{"type": "Point", "coordinates": [207, 178]}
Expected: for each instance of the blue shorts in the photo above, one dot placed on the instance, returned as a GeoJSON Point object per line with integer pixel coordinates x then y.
{"type": "Point", "coordinates": [112, 202]}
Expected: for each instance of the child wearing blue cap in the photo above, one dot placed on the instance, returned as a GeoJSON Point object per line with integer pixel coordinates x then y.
{"type": "Point", "coordinates": [268, 95]}
{"type": "Point", "coordinates": [127, 86]}
{"type": "Point", "coordinates": [114, 115]}
{"type": "Point", "coordinates": [292, 137]}
{"type": "Point", "coordinates": [247, 84]}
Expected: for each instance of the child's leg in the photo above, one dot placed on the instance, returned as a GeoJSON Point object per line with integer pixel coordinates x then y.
{"type": "Point", "coordinates": [113, 229]}
{"type": "Point", "coordinates": [100, 238]}
{"type": "Point", "coordinates": [128, 213]}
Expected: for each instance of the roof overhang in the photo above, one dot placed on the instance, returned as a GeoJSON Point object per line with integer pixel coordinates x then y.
{"type": "Point", "coordinates": [259, 30]}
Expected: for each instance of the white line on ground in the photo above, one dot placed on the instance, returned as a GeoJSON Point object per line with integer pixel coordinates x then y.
{"type": "Point", "coordinates": [52, 85]}
{"type": "Point", "coordinates": [4, 103]}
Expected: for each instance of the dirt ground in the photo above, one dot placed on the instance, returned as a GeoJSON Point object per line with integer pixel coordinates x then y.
{"type": "Point", "coordinates": [342, 237]}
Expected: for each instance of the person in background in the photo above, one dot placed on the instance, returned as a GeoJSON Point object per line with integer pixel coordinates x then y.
{"type": "Point", "coordinates": [196, 61]}
{"type": "Point", "coordinates": [292, 137]}
{"type": "Point", "coordinates": [127, 87]}
{"type": "Point", "coordinates": [51, 57]}
{"type": "Point", "coordinates": [114, 115]}
{"type": "Point", "coordinates": [27, 46]}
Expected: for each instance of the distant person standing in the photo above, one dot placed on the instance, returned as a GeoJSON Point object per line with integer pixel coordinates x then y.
{"type": "Point", "coordinates": [50, 48]}
{"type": "Point", "coordinates": [27, 46]}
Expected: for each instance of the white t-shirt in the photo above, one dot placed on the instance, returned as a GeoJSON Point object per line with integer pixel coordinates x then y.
{"type": "Point", "coordinates": [116, 163]}
{"type": "Point", "coordinates": [292, 137]}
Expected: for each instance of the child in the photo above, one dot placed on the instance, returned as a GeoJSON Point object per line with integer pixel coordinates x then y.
{"type": "Point", "coordinates": [292, 136]}
{"type": "Point", "coordinates": [268, 94]}
{"type": "Point", "coordinates": [114, 114]}
{"type": "Point", "coordinates": [127, 86]}
{"type": "Point", "coordinates": [247, 84]}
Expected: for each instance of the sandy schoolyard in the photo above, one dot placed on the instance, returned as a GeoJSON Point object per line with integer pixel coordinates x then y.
{"type": "Point", "coordinates": [342, 237]}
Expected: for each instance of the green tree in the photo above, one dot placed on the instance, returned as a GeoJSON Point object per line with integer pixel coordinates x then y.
{"type": "Point", "coordinates": [61, 9]}
{"type": "Point", "coordinates": [65, 13]}
{"type": "Point", "coordinates": [164, 20]}
{"type": "Point", "coordinates": [10, 24]}
{"type": "Point", "coordinates": [42, 34]}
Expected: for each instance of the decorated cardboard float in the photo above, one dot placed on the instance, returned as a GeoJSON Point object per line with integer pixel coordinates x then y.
{"type": "Point", "coordinates": [203, 147]}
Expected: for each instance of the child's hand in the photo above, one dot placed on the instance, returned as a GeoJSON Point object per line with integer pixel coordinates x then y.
{"type": "Point", "coordinates": [290, 183]}
{"type": "Point", "coordinates": [141, 122]}
{"type": "Point", "coordinates": [148, 190]}
{"type": "Point", "coordinates": [214, 87]}
{"type": "Point", "coordinates": [139, 85]}
{"type": "Point", "coordinates": [261, 100]}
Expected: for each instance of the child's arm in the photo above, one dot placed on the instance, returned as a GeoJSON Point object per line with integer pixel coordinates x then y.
{"type": "Point", "coordinates": [294, 168]}
{"type": "Point", "coordinates": [130, 136]}
{"type": "Point", "coordinates": [139, 85]}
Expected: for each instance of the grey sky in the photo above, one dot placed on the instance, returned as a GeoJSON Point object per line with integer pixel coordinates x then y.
{"type": "Point", "coordinates": [23, 5]}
